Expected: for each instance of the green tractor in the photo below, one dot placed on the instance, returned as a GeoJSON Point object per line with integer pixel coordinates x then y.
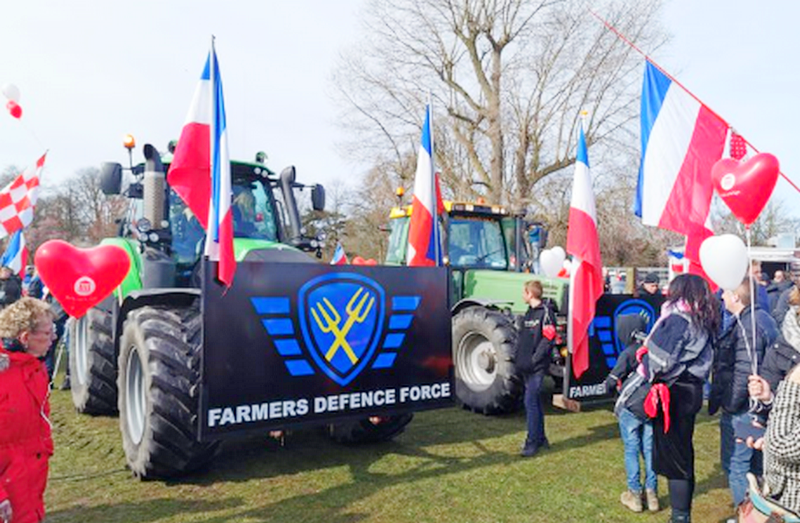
{"type": "Point", "coordinates": [490, 254]}
{"type": "Point", "coordinates": [140, 352]}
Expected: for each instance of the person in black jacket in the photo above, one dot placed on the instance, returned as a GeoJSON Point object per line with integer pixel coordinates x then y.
{"type": "Point", "coordinates": [10, 287]}
{"type": "Point", "coordinates": [533, 359]}
{"type": "Point", "coordinates": [738, 356]}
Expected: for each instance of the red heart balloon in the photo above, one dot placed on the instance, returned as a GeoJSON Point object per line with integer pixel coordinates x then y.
{"type": "Point", "coordinates": [80, 278]}
{"type": "Point", "coordinates": [746, 187]}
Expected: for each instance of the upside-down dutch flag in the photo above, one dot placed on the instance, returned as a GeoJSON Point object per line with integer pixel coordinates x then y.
{"type": "Point", "coordinates": [339, 256]}
{"type": "Point", "coordinates": [681, 141]}
{"type": "Point", "coordinates": [583, 243]}
{"type": "Point", "coordinates": [16, 255]}
{"type": "Point", "coordinates": [424, 242]}
{"type": "Point", "coordinates": [201, 170]}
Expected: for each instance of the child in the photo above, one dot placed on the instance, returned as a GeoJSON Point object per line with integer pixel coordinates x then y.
{"type": "Point", "coordinates": [635, 429]}
{"type": "Point", "coordinates": [532, 360]}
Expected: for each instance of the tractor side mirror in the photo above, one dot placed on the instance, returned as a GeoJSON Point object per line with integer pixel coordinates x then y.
{"type": "Point", "coordinates": [318, 197]}
{"type": "Point", "coordinates": [110, 178]}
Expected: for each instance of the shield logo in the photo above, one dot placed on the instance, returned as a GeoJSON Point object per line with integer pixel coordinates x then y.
{"type": "Point", "coordinates": [341, 318]}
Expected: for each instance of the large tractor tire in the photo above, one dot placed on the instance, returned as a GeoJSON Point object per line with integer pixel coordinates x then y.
{"type": "Point", "coordinates": [484, 345]}
{"type": "Point", "coordinates": [369, 430]}
{"type": "Point", "coordinates": [159, 377]}
{"type": "Point", "coordinates": [92, 364]}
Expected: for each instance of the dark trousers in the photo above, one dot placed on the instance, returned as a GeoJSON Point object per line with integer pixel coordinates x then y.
{"type": "Point", "coordinates": [534, 409]}
{"type": "Point", "coordinates": [50, 357]}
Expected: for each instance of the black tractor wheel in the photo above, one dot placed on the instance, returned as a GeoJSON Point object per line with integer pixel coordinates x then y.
{"type": "Point", "coordinates": [369, 430]}
{"type": "Point", "coordinates": [92, 364]}
{"type": "Point", "coordinates": [159, 376]}
{"type": "Point", "coordinates": [484, 345]}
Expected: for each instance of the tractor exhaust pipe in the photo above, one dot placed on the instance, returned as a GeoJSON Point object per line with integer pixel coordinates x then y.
{"type": "Point", "coordinates": [288, 176]}
{"type": "Point", "coordinates": [153, 187]}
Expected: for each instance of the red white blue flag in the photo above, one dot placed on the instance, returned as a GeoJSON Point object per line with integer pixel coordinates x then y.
{"type": "Point", "coordinates": [201, 170]}
{"type": "Point", "coordinates": [681, 141]}
{"type": "Point", "coordinates": [583, 243]}
{"type": "Point", "coordinates": [16, 255]}
{"type": "Point", "coordinates": [339, 256]}
{"type": "Point", "coordinates": [424, 242]}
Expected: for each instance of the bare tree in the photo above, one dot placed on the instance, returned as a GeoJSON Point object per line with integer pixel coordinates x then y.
{"type": "Point", "coordinates": [75, 211]}
{"type": "Point", "coordinates": [773, 220]}
{"type": "Point", "coordinates": [512, 77]}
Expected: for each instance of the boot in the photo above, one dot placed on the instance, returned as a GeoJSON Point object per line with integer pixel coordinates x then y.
{"type": "Point", "coordinates": [680, 518]}
{"type": "Point", "coordinates": [651, 497]}
{"type": "Point", "coordinates": [632, 500]}
{"type": "Point", "coordinates": [65, 385]}
{"type": "Point", "coordinates": [529, 450]}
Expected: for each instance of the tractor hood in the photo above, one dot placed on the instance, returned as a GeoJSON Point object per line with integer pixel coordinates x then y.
{"type": "Point", "coordinates": [248, 249]}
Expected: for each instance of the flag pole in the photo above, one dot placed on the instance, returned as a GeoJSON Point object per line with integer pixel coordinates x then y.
{"type": "Point", "coordinates": [436, 234]}
{"type": "Point", "coordinates": [679, 84]}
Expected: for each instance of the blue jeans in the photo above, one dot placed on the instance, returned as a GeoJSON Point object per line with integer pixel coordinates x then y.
{"type": "Point", "coordinates": [637, 437]}
{"type": "Point", "coordinates": [737, 458]}
{"type": "Point", "coordinates": [534, 409]}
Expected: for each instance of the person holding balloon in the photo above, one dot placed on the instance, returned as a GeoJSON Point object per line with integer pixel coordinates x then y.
{"type": "Point", "coordinates": [740, 353]}
{"type": "Point", "coordinates": [26, 444]}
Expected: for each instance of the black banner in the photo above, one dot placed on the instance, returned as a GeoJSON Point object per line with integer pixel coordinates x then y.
{"type": "Point", "coordinates": [605, 345]}
{"type": "Point", "coordinates": [290, 344]}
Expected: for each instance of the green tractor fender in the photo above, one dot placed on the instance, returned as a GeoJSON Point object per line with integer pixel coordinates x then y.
{"type": "Point", "coordinates": [495, 305]}
{"type": "Point", "coordinates": [133, 280]}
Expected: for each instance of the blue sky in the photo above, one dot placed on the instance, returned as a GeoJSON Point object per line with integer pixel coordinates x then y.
{"type": "Point", "coordinates": [92, 71]}
{"type": "Point", "coordinates": [740, 59]}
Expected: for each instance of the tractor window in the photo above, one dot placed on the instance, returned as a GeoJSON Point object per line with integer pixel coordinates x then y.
{"type": "Point", "coordinates": [252, 211]}
{"type": "Point", "coordinates": [252, 218]}
{"type": "Point", "coordinates": [475, 242]}
{"type": "Point", "coordinates": [509, 226]}
{"type": "Point", "coordinates": [398, 240]}
{"type": "Point", "coordinates": [187, 232]}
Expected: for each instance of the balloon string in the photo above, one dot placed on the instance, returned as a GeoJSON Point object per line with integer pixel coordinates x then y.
{"type": "Point", "coordinates": [679, 84]}
{"type": "Point", "coordinates": [753, 355]}
{"type": "Point", "coordinates": [753, 147]}
{"type": "Point", "coordinates": [32, 133]}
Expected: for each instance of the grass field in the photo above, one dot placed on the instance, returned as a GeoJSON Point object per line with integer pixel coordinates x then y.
{"type": "Point", "coordinates": [449, 465]}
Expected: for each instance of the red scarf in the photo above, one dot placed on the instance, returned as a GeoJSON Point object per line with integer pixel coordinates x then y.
{"type": "Point", "coordinates": [659, 393]}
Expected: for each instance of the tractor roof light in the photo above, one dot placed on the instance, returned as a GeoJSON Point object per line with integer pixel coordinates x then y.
{"type": "Point", "coordinates": [400, 192]}
{"type": "Point", "coordinates": [129, 141]}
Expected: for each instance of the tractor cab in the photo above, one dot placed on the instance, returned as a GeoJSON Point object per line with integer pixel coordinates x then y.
{"type": "Point", "coordinates": [477, 236]}
{"type": "Point", "coordinates": [172, 239]}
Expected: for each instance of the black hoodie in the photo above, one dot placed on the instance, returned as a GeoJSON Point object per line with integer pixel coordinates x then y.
{"type": "Point", "coordinates": [533, 349]}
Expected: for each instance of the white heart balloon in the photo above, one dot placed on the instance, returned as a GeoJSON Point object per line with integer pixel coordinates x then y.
{"type": "Point", "coordinates": [724, 258]}
{"type": "Point", "coordinates": [561, 255]}
{"type": "Point", "coordinates": [11, 92]}
{"type": "Point", "coordinates": [550, 263]}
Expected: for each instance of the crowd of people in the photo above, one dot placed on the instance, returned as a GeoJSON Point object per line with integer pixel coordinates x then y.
{"type": "Point", "coordinates": [746, 343]}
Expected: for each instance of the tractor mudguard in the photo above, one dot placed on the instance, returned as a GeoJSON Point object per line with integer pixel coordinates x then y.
{"type": "Point", "coordinates": [179, 297]}
{"type": "Point", "coordinates": [496, 305]}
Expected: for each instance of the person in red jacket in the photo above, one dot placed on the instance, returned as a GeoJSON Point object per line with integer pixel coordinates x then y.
{"type": "Point", "coordinates": [27, 330]}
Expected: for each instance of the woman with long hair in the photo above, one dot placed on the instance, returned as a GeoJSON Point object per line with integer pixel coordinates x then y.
{"type": "Point", "coordinates": [679, 357]}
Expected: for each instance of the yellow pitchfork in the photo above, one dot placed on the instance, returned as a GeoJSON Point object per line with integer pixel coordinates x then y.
{"type": "Point", "coordinates": [356, 313]}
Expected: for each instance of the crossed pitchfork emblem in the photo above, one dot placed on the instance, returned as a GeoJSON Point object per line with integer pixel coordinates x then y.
{"type": "Point", "coordinates": [357, 311]}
